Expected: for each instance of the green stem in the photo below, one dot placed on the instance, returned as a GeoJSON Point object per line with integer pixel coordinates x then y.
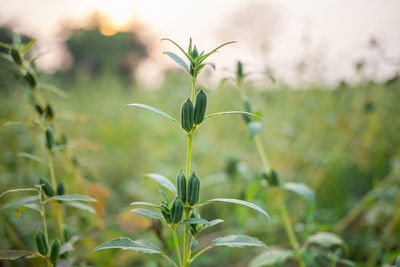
{"type": "Point", "coordinates": [199, 253]}
{"type": "Point", "coordinates": [178, 252]}
{"type": "Point", "coordinates": [169, 259]}
{"type": "Point", "coordinates": [289, 228]}
{"type": "Point", "coordinates": [42, 205]}
{"type": "Point", "coordinates": [193, 88]}
{"type": "Point", "coordinates": [187, 211]}
{"type": "Point", "coordinates": [56, 205]}
{"type": "Point", "coordinates": [261, 151]}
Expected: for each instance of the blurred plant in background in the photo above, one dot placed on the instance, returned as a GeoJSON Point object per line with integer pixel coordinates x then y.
{"type": "Point", "coordinates": [343, 142]}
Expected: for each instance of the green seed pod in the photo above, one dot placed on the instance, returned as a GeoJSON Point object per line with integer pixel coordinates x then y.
{"type": "Point", "coordinates": [239, 70]}
{"type": "Point", "coordinates": [49, 138]}
{"type": "Point", "coordinates": [67, 233]}
{"type": "Point", "coordinates": [187, 115]}
{"type": "Point", "coordinates": [16, 56]}
{"type": "Point", "coordinates": [165, 213]}
{"type": "Point", "coordinates": [193, 189]}
{"type": "Point", "coordinates": [39, 109]}
{"type": "Point", "coordinates": [30, 78]}
{"type": "Point", "coordinates": [49, 112]}
{"type": "Point", "coordinates": [200, 107]}
{"type": "Point", "coordinates": [60, 188]}
{"type": "Point", "coordinates": [176, 210]}
{"type": "Point", "coordinates": [247, 108]}
{"type": "Point", "coordinates": [181, 185]}
{"type": "Point", "coordinates": [272, 178]}
{"type": "Point", "coordinates": [55, 251]}
{"type": "Point", "coordinates": [41, 243]}
{"type": "Point", "coordinates": [47, 188]}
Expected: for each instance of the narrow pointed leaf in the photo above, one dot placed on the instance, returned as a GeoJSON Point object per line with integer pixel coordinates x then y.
{"type": "Point", "coordinates": [237, 241]}
{"type": "Point", "coordinates": [14, 254]}
{"type": "Point", "coordinates": [31, 156]}
{"type": "Point", "coordinates": [165, 182]}
{"type": "Point", "coordinates": [73, 197]}
{"type": "Point", "coordinates": [22, 201]}
{"type": "Point", "coordinates": [148, 204]}
{"type": "Point", "coordinates": [202, 58]}
{"type": "Point", "coordinates": [232, 112]}
{"type": "Point", "coordinates": [301, 189]}
{"type": "Point", "coordinates": [237, 201]}
{"type": "Point", "coordinates": [196, 221]}
{"type": "Point", "coordinates": [18, 190]}
{"type": "Point", "coordinates": [159, 112]}
{"type": "Point", "coordinates": [148, 213]}
{"type": "Point", "coordinates": [325, 239]}
{"type": "Point", "coordinates": [178, 60]}
{"type": "Point", "coordinates": [211, 224]}
{"type": "Point", "coordinates": [81, 206]}
{"type": "Point", "coordinates": [29, 45]}
{"type": "Point", "coordinates": [126, 243]}
{"type": "Point", "coordinates": [180, 48]}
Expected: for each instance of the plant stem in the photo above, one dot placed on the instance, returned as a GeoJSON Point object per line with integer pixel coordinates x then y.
{"type": "Point", "coordinates": [261, 151]}
{"type": "Point", "coordinates": [199, 253]}
{"type": "Point", "coordinates": [42, 205]}
{"type": "Point", "coordinates": [187, 211]}
{"type": "Point", "coordinates": [169, 259]}
{"type": "Point", "coordinates": [178, 252]}
{"type": "Point", "coordinates": [193, 89]}
{"type": "Point", "coordinates": [56, 205]}
{"type": "Point", "coordinates": [289, 228]}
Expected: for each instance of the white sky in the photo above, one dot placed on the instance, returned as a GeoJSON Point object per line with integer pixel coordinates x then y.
{"type": "Point", "coordinates": [329, 34]}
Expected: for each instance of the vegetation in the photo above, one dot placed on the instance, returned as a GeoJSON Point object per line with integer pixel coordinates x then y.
{"type": "Point", "coordinates": [337, 149]}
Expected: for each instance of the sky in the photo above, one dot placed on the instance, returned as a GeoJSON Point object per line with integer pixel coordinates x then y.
{"type": "Point", "coordinates": [310, 41]}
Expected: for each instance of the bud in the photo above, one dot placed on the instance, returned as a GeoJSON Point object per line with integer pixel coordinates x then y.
{"type": "Point", "coordinates": [49, 138]}
{"type": "Point", "coordinates": [47, 188]}
{"type": "Point", "coordinates": [16, 56]}
{"type": "Point", "coordinates": [60, 188]}
{"type": "Point", "coordinates": [55, 251]}
{"type": "Point", "coordinates": [176, 211]}
{"type": "Point", "coordinates": [41, 243]}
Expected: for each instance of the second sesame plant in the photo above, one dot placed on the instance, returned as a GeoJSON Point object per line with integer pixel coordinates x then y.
{"type": "Point", "coordinates": [182, 210]}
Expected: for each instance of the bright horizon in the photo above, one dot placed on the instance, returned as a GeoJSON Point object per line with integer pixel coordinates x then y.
{"type": "Point", "coordinates": [331, 35]}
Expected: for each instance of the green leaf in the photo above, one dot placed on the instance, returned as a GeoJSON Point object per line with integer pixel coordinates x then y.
{"type": "Point", "coordinates": [22, 201]}
{"type": "Point", "coordinates": [148, 204]}
{"type": "Point", "coordinates": [159, 112]}
{"type": "Point", "coordinates": [301, 189]}
{"type": "Point", "coordinates": [196, 221]}
{"type": "Point", "coordinates": [51, 88]}
{"type": "Point", "coordinates": [237, 241]}
{"type": "Point", "coordinates": [165, 182]}
{"type": "Point", "coordinates": [29, 45]}
{"type": "Point", "coordinates": [237, 201]}
{"type": "Point", "coordinates": [18, 190]}
{"type": "Point", "coordinates": [232, 112]}
{"type": "Point", "coordinates": [325, 239]}
{"type": "Point", "coordinates": [211, 224]}
{"type": "Point", "coordinates": [73, 197]}
{"type": "Point", "coordinates": [148, 213]}
{"type": "Point", "coordinates": [133, 245]}
{"type": "Point", "coordinates": [5, 45]}
{"type": "Point", "coordinates": [81, 206]}
{"type": "Point", "coordinates": [14, 254]}
{"type": "Point", "coordinates": [254, 128]}
{"type": "Point", "coordinates": [178, 60]}
{"type": "Point", "coordinates": [31, 156]}
{"type": "Point", "coordinates": [180, 48]}
{"type": "Point", "coordinates": [202, 58]}
{"type": "Point", "coordinates": [16, 39]}
{"type": "Point", "coordinates": [271, 257]}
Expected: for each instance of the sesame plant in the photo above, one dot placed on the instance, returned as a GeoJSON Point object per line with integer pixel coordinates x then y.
{"type": "Point", "coordinates": [180, 210]}
{"type": "Point", "coordinates": [319, 249]}
{"type": "Point", "coordinates": [49, 198]}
